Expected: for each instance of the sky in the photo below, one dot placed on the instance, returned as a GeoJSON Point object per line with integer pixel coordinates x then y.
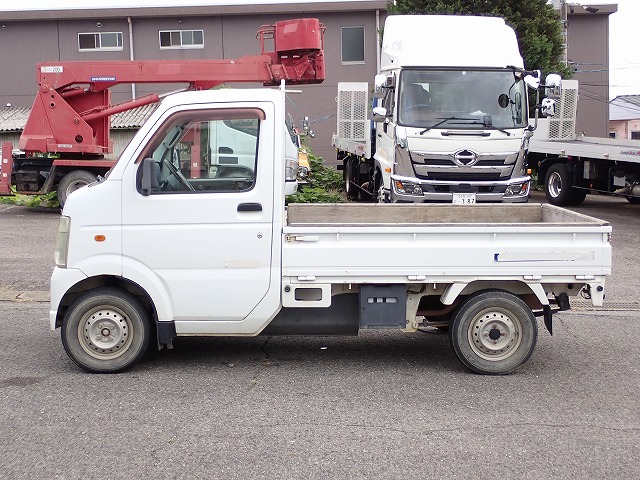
{"type": "Point", "coordinates": [624, 55]}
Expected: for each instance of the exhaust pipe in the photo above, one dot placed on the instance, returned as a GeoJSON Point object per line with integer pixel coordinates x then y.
{"type": "Point", "coordinates": [633, 189]}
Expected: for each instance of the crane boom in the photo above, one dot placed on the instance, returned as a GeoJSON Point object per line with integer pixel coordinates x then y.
{"type": "Point", "coordinates": [71, 112]}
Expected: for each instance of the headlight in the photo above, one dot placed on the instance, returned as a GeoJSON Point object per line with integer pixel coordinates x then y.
{"type": "Point", "coordinates": [518, 189]}
{"type": "Point", "coordinates": [408, 188]}
{"type": "Point", "coordinates": [303, 173]}
{"type": "Point", "coordinates": [62, 242]}
{"type": "Point", "coordinates": [291, 170]}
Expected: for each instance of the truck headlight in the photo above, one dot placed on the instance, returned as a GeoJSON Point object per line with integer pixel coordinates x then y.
{"type": "Point", "coordinates": [518, 189]}
{"type": "Point", "coordinates": [291, 170]}
{"type": "Point", "coordinates": [303, 173]}
{"type": "Point", "coordinates": [408, 188]}
{"type": "Point", "coordinates": [62, 242]}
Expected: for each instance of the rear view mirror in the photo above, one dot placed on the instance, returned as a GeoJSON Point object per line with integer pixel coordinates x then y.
{"type": "Point", "coordinates": [533, 81]}
{"type": "Point", "coordinates": [150, 176]}
{"type": "Point", "coordinates": [379, 114]}
{"type": "Point", "coordinates": [553, 83]}
{"type": "Point", "coordinates": [548, 107]}
{"type": "Point", "coordinates": [381, 83]}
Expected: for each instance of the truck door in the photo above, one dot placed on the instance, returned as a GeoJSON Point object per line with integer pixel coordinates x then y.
{"type": "Point", "coordinates": [203, 231]}
{"type": "Point", "coordinates": [385, 139]}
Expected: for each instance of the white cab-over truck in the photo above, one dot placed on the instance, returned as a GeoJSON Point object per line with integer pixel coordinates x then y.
{"type": "Point", "coordinates": [151, 253]}
{"type": "Point", "coordinates": [571, 165]}
{"type": "Point", "coordinates": [450, 123]}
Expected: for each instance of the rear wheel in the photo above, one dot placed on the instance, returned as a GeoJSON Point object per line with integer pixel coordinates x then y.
{"type": "Point", "coordinates": [106, 331]}
{"type": "Point", "coordinates": [71, 182]}
{"type": "Point", "coordinates": [493, 332]}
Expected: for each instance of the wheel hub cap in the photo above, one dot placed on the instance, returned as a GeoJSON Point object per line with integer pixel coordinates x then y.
{"type": "Point", "coordinates": [494, 335]}
{"type": "Point", "coordinates": [105, 333]}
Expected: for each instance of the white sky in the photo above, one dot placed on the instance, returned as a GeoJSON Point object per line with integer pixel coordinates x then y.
{"type": "Point", "coordinates": [624, 55]}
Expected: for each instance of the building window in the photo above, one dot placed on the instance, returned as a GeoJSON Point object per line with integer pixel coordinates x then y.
{"type": "Point", "coordinates": [181, 39]}
{"type": "Point", "coordinates": [108, 41]}
{"type": "Point", "coordinates": [635, 135]}
{"type": "Point", "coordinates": [352, 45]}
{"type": "Point", "coordinates": [612, 135]}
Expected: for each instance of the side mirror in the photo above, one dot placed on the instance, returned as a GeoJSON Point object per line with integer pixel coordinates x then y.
{"type": "Point", "coordinates": [533, 81]}
{"type": "Point", "coordinates": [548, 107]}
{"type": "Point", "coordinates": [379, 114]}
{"type": "Point", "coordinates": [382, 82]}
{"type": "Point", "coordinates": [150, 176]}
{"type": "Point", "coordinates": [553, 83]}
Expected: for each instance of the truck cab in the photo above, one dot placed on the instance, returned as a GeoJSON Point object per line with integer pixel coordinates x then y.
{"type": "Point", "coordinates": [450, 117]}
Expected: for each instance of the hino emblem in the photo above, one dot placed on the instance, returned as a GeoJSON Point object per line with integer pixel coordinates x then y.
{"type": "Point", "coordinates": [465, 157]}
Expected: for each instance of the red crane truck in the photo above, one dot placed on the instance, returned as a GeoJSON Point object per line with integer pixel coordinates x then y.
{"type": "Point", "coordinates": [66, 138]}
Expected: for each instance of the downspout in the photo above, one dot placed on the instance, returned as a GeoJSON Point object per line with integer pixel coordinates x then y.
{"type": "Point", "coordinates": [131, 56]}
{"type": "Point", "coordinates": [377, 41]}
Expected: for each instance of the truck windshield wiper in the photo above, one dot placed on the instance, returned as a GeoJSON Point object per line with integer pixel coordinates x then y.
{"type": "Point", "coordinates": [443, 120]}
{"type": "Point", "coordinates": [486, 122]}
{"type": "Point", "coordinates": [489, 125]}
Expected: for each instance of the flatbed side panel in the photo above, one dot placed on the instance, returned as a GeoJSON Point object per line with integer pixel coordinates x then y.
{"type": "Point", "coordinates": [588, 148]}
{"type": "Point", "coordinates": [351, 253]}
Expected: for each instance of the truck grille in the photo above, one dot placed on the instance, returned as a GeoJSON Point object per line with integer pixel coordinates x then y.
{"type": "Point", "coordinates": [444, 167]}
{"type": "Point", "coordinates": [466, 176]}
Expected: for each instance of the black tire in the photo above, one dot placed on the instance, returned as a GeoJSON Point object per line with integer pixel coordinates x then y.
{"type": "Point", "coordinates": [91, 316]}
{"type": "Point", "coordinates": [493, 332]}
{"type": "Point", "coordinates": [71, 182]}
{"type": "Point", "coordinates": [633, 200]}
{"type": "Point", "coordinates": [558, 186]}
{"type": "Point", "coordinates": [350, 177]}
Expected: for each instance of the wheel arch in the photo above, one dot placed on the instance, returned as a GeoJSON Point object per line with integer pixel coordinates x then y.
{"type": "Point", "coordinates": [111, 281]}
{"type": "Point", "coordinates": [532, 294]}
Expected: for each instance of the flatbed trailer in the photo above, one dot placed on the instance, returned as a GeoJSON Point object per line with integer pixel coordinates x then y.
{"type": "Point", "coordinates": [573, 165]}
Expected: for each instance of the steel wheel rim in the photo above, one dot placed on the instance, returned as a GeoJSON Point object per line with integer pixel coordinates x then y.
{"type": "Point", "coordinates": [73, 186]}
{"type": "Point", "coordinates": [555, 184]}
{"type": "Point", "coordinates": [495, 334]}
{"type": "Point", "coordinates": [105, 333]}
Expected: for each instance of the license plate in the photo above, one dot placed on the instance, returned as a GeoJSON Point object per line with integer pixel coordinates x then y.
{"type": "Point", "coordinates": [464, 198]}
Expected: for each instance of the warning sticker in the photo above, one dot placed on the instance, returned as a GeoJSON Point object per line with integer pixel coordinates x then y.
{"type": "Point", "coordinates": [52, 69]}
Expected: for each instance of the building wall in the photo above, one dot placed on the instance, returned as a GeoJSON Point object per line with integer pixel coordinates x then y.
{"type": "Point", "coordinates": [226, 36]}
{"type": "Point", "coordinates": [588, 48]}
{"type": "Point", "coordinates": [625, 128]}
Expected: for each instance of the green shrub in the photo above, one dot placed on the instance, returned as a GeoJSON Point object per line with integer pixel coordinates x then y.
{"type": "Point", "coordinates": [324, 185]}
{"type": "Point", "coordinates": [48, 200]}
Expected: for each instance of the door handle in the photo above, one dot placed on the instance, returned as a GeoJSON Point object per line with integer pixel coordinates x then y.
{"type": "Point", "coordinates": [249, 207]}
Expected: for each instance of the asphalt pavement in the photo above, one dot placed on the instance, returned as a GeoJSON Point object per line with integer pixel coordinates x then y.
{"type": "Point", "coordinates": [383, 405]}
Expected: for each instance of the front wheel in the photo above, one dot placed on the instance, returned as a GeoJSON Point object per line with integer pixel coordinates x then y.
{"type": "Point", "coordinates": [559, 186]}
{"type": "Point", "coordinates": [351, 177]}
{"type": "Point", "coordinates": [493, 332]}
{"type": "Point", "coordinates": [106, 331]}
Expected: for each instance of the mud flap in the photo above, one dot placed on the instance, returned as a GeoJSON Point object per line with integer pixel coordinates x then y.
{"type": "Point", "coordinates": [548, 318]}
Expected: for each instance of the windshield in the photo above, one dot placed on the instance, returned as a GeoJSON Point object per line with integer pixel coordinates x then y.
{"type": "Point", "coordinates": [467, 99]}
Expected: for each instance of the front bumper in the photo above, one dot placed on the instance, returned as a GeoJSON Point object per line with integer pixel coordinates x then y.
{"type": "Point", "coordinates": [415, 190]}
{"type": "Point", "coordinates": [62, 279]}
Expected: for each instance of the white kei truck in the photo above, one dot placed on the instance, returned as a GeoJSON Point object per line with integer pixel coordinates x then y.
{"type": "Point", "coordinates": [156, 251]}
{"type": "Point", "coordinates": [449, 122]}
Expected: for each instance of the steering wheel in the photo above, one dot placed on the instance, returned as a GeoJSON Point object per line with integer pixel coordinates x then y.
{"type": "Point", "coordinates": [182, 180]}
